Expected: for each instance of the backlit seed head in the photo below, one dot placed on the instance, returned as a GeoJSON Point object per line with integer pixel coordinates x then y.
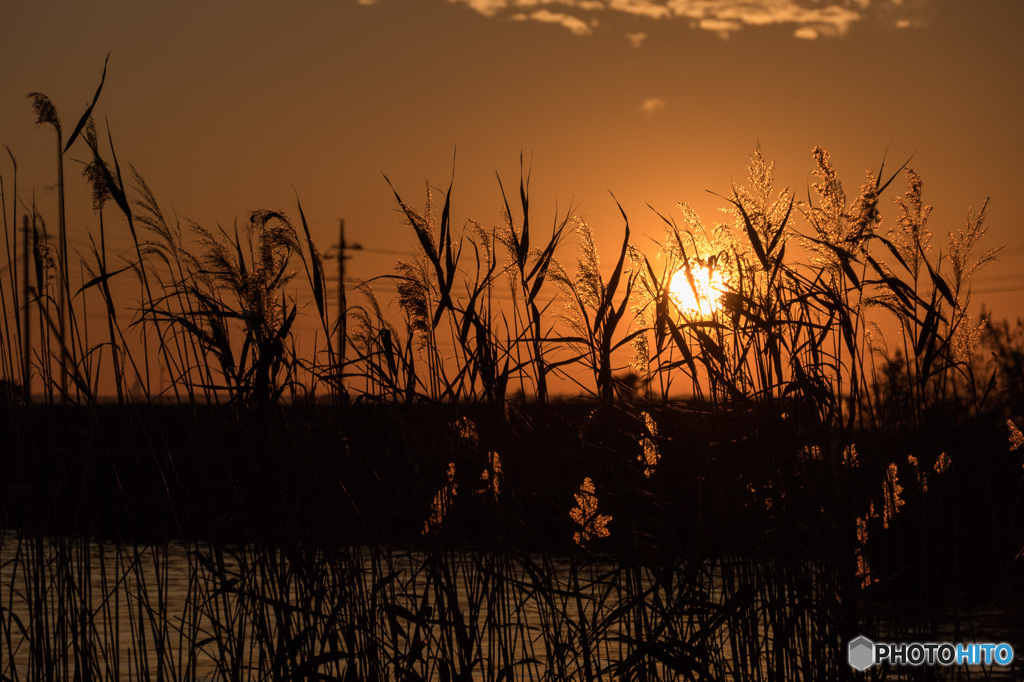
{"type": "Point", "coordinates": [892, 492]}
{"type": "Point", "coordinates": [45, 111]}
{"type": "Point", "coordinates": [650, 456]}
{"type": "Point", "coordinates": [591, 524]}
{"type": "Point", "coordinates": [442, 503]}
{"type": "Point", "coordinates": [1016, 438]}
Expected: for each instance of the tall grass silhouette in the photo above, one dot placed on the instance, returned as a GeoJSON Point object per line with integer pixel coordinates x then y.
{"type": "Point", "coordinates": [750, 473]}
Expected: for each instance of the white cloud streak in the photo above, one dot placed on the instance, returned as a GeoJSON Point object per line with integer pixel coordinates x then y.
{"type": "Point", "coordinates": [653, 106]}
{"type": "Point", "coordinates": [809, 19]}
{"type": "Point", "coordinates": [641, 8]}
{"type": "Point", "coordinates": [577, 26]}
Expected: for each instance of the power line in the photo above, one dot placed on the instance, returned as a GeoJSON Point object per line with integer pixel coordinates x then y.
{"type": "Point", "coordinates": [999, 290]}
{"type": "Point", "coordinates": [389, 252]}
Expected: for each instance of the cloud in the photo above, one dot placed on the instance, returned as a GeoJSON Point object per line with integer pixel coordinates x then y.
{"type": "Point", "coordinates": [720, 26]}
{"type": "Point", "coordinates": [577, 26]}
{"type": "Point", "coordinates": [653, 106]}
{"type": "Point", "coordinates": [809, 19]}
{"type": "Point", "coordinates": [636, 39]}
{"type": "Point", "coordinates": [488, 8]}
{"type": "Point", "coordinates": [641, 8]}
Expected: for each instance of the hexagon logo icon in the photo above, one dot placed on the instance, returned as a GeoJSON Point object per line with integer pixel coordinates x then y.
{"type": "Point", "coordinates": [861, 653]}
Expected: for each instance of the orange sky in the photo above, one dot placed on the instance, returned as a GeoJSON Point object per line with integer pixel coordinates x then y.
{"type": "Point", "coordinates": [224, 106]}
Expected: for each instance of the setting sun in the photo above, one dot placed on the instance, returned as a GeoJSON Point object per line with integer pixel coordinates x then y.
{"type": "Point", "coordinates": [702, 297]}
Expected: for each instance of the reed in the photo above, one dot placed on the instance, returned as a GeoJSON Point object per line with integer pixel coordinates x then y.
{"type": "Point", "coordinates": [744, 481]}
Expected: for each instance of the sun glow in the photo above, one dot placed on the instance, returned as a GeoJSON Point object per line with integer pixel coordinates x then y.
{"type": "Point", "coordinates": [700, 298]}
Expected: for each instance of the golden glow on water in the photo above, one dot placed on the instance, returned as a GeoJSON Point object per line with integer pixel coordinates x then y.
{"type": "Point", "coordinates": [703, 297]}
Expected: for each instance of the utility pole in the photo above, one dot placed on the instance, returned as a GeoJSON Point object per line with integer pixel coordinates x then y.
{"type": "Point", "coordinates": [63, 277]}
{"type": "Point", "coordinates": [342, 303]}
{"type": "Point", "coordinates": [342, 325]}
{"type": "Point", "coordinates": [26, 347]}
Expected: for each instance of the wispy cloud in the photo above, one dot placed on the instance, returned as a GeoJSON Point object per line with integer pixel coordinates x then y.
{"type": "Point", "coordinates": [809, 19]}
{"type": "Point", "coordinates": [732, 15]}
{"type": "Point", "coordinates": [641, 8]}
{"type": "Point", "coordinates": [723, 27]}
{"type": "Point", "coordinates": [488, 8]}
{"type": "Point", "coordinates": [653, 106]}
{"type": "Point", "coordinates": [636, 39]}
{"type": "Point", "coordinates": [574, 24]}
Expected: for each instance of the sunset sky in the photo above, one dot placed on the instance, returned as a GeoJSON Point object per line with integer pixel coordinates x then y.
{"type": "Point", "coordinates": [224, 106]}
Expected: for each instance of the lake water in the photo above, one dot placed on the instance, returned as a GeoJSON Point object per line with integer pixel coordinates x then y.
{"type": "Point", "coordinates": [87, 610]}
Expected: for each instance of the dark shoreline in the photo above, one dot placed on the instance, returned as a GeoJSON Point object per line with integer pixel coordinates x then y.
{"type": "Point", "coordinates": [367, 473]}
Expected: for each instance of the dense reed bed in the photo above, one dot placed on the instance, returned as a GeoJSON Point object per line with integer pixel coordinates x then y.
{"type": "Point", "coordinates": [748, 474]}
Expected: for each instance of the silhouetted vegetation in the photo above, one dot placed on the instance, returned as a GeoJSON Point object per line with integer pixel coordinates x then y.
{"type": "Point", "coordinates": [735, 488]}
